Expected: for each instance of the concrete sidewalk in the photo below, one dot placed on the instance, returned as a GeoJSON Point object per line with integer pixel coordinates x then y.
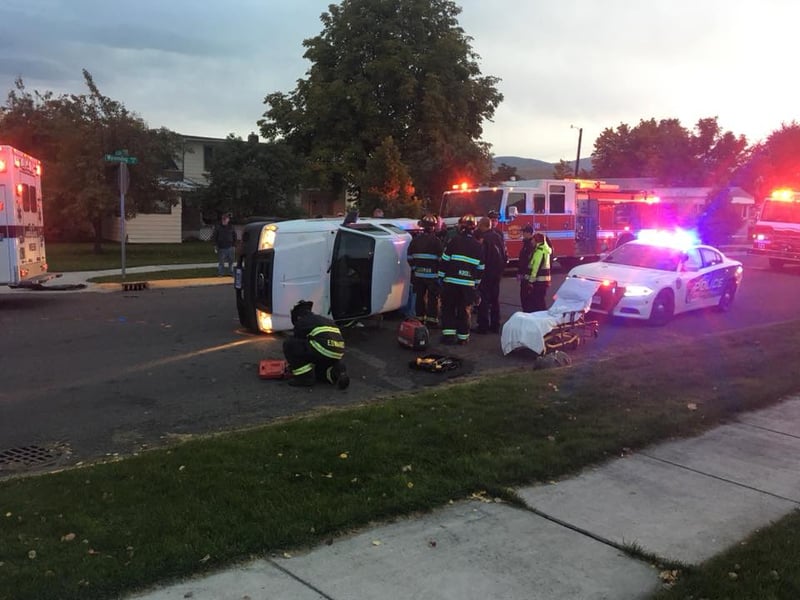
{"type": "Point", "coordinates": [79, 280]}
{"type": "Point", "coordinates": [683, 500]}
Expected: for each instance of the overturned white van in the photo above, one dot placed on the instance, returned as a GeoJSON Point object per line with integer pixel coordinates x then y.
{"type": "Point", "coordinates": [349, 270]}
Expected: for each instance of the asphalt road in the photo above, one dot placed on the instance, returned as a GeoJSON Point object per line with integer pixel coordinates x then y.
{"type": "Point", "coordinates": [88, 375]}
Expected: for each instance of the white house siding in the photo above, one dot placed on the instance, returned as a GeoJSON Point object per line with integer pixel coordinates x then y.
{"type": "Point", "coordinates": [147, 228]}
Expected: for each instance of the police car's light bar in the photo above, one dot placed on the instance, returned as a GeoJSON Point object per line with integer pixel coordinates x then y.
{"type": "Point", "coordinates": [680, 239]}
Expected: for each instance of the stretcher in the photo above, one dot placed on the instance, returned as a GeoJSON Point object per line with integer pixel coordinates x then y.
{"type": "Point", "coordinates": [564, 325]}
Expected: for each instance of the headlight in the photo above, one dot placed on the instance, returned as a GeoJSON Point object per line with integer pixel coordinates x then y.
{"type": "Point", "coordinates": [264, 321]}
{"type": "Point", "coordinates": [267, 238]}
{"type": "Point", "coordinates": [637, 291]}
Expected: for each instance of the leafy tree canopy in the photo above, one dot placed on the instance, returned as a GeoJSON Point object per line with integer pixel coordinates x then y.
{"type": "Point", "coordinates": [387, 185]}
{"type": "Point", "coordinates": [253, 179]}
{"type": "Point", "coordinates": [773, 163]}
{"type": "Point", "coordinates": [388, 68]}
{"type": "Point", "coordinates": [504, 172]}
{"type": "Point", "coordinates": [669, 152]}
{"type": "Point", "coordinates": [71, 134]}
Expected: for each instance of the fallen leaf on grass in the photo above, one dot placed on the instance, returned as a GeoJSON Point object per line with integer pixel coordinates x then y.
{"type": "Point", "coordinates": [376, 542]}
{"type": "Point", "coordinates": [32, 554]}
{"type": "Point", "coordinates": [205, 559]}
{"type": "Point", "coordinates": [343, 455]}
{"type": "Point", "coordinates": [68, 538]}
{"type": "Point", "coordinates": [691, 406]}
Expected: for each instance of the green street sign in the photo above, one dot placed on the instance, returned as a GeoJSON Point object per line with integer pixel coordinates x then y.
{"type": "Point", "coordinates": [131, 160]}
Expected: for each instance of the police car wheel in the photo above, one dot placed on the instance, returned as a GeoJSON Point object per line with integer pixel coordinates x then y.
{"type": "Point", "coordinates": [726, 300]}
{"type": "Point", "coordinates": [663, 308]}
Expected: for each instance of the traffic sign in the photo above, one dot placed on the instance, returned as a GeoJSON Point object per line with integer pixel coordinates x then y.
{"type": "Point", "coordinates": [130, 160]}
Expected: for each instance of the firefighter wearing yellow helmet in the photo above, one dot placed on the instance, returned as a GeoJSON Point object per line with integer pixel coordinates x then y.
{"type": "Point", "coordinates": [424, 253]}
{"type": "Point", "coordinates": [460, 272]}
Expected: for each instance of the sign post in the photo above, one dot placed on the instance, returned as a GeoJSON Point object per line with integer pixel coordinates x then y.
{"type": "Point", "coordinates": [121, 157]}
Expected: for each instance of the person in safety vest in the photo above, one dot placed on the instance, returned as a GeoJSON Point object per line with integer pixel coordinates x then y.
{"type": "Point", "coordinates": [424, 253]}
{"type": "Point", "coordinates": [315, 351]}
{"type": "Point", "coordinates": [537, 279]}
{"type": "Point", "coordinates": [460, 271]}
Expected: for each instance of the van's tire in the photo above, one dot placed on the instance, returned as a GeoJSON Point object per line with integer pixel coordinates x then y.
{"type": "Point", "coordinates": [663, 308]}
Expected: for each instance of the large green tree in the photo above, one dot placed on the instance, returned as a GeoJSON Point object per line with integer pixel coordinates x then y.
{"type": "Point", "coordinates": [71, 134]}
{"type": "Point", "coordinates": [403, 69]}
{"type": "Point", "coordinates": [387, 185]}
{"type": "Point", "coordinates": [706, 156]}
{"type": "Point", "coordinates": [250, 178]}
{"type": "Point", "coordinates": [772, 163]}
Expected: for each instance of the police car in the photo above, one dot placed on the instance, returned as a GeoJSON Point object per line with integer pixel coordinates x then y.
{"type": "Point", "coordinates": [660, 275]}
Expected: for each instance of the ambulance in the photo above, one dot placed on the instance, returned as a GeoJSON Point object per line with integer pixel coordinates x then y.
{"type": "Point", "coordinates": [776, 234]}
{"type": "Point", "coordinates": [350, 270]}
{"type": "Point", "coordinates": [23, 262]}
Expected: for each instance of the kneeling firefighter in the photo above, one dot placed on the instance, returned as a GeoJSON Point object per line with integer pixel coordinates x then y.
{"type": "Point", "coordinates": [315, 351]}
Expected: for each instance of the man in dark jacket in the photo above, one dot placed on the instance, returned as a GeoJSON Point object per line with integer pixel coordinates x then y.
{"type": "Point", "coordinates": [315, 351]}
{"type": "Point", "coordinates": [523, 269]}
{"type": "Point", "coordinates": [224, 239]}
{"type": "Point", "coordinates": [460, 271]}
{"type": "Point", "coordinates": [424, 253]}
{"type": "Point", "coordinates": [494, 258]}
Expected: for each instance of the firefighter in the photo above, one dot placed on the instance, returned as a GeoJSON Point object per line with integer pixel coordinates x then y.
{"type": "Point", "coordinates": [424, 253]}
{"type": "Point", "coordinates": [523, 267]}
{"type": "Point", "coordinates": [538, 276]}
{"type": "Point", "coordinates": [460, 271]}
{"type": "Point", "coordinates": [315, 351]}
{"type": "Point", "coordinates": [495, 259]}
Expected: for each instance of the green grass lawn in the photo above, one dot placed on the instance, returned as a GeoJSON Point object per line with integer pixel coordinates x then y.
{"type": "Point", "coordinates": [107, 529]}
{"type": "Point", "coordinates": [81, 257]}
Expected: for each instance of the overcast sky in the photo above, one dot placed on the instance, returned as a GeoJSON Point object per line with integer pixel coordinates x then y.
{"type": "Point", "coordinates": [203, 68]}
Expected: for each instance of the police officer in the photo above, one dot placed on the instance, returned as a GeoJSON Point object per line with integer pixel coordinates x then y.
{"type": "Point", "coordinates": [424, 253]}
{"type": "Point", "coordinates": [523, 268]}
{"type": "Point", "coordinates": [538, 276]}
{"type": "Point", "coordinates": [460, 271]}
{"type": "Point", "coordinates": [315, 351]}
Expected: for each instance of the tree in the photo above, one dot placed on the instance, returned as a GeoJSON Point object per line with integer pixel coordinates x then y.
{"type": "Point", "coordinates": [388, 68]}
{"type": "Point", "coordinates": [504, 172]}
{"type": "Point", "coordinates": [773, 163]}
{"type": "Point", "coordinates": [250, 178]}
{"type": "Point", "coordinates": [387, 185]}
{"type": "Point", "coordinates": [670, 153]}
{"type": "Point", "coordinates": [566, 170]}
{"type": "Point", "coordinates": [71, 134]}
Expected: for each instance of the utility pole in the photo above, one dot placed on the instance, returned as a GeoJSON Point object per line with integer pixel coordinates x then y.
{"type": "Point", "coordinates": [578, 158]}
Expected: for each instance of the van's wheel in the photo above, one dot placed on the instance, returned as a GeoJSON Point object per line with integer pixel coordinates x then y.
{"type": "Point", "coordinates": [726, 300]}
{"type": "Point", "coordinates": [663, 308]}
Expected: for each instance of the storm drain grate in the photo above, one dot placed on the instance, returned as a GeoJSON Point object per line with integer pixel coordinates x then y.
{"type": "Point", "coordinates": [25, 456]}
{"type": "Point", "coordinates": [134, 286]}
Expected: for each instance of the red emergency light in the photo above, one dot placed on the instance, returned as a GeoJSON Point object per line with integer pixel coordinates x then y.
{"type": "Point", "coordinates": [2, 166]}
{"type": "Point", "coordinates": [783, 195]}
{"type": "Point", "coordinates": [464, 185]}
{"type": "Point", "coordinates": [20, 189]}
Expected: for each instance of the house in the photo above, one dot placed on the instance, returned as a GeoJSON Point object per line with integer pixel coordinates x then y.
{"type": "Point", "coordinates": [173, 223]}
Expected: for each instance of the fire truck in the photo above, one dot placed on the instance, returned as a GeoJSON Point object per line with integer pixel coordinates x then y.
{"type": "Point", "coordinates": [22, 251]}
{"type": "Point", "coordinates": [583, 219]}
{"type": "Point", "coordinates": [776, 233]}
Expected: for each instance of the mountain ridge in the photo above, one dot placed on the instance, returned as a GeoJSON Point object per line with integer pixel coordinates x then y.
{"type": "Point", "coordinates": [532, 168]}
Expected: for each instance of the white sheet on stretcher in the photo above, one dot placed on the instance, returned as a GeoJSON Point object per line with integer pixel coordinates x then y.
{"type": "Point", "coordinates": [527, 330]}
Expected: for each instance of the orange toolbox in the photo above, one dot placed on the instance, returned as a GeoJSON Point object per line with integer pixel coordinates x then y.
{"type": "Point", "coordinates": [273, 369]}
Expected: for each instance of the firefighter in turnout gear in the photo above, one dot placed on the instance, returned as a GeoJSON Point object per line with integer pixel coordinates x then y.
{"type": "Point", "coordinates": [537, 280]}
{"type": "Point", "coordinates": [460, 271]}
{"type": "Point", "coordinates": [424, 253]}
{"type": "Point", "coordinates": [315, 351]}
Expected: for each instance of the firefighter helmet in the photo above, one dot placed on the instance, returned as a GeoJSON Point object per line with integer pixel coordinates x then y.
{"type": "Point", "coordinates": [467, 223]}
{"type": "Point", "coordinates": [301, 308]}
{"type": "Point", "coordinates": [428, 222]}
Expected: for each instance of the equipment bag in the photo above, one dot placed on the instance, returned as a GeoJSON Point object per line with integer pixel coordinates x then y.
{"type": "Point", "coordinates": [273, 369]}
{"type": "Point", "coordinates": [413, 334]}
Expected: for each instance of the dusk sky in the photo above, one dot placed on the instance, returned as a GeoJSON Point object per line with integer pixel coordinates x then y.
{"type": "Point", "coordinates": [204, 68]}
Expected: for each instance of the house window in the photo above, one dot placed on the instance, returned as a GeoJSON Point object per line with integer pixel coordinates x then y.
{"type": "Point", "coordinates": [208, 156]}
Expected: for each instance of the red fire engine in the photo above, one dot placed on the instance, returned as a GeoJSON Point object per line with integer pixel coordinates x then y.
{"type": "Point", "coordinates": [582, 218]}
{"type": "Point", "coordinates": [776, 234]}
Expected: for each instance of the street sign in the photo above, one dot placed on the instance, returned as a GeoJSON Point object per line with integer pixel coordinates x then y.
{"type": "Point", "coordinates": [130, 160]}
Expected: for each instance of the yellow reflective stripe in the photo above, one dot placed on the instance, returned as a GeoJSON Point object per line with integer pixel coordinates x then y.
{"type": "Point", "coordinates": [324, 329]}
{"type": "Point", "coordinates": [324, 351]}
{"type": "Point", "coordinates": [304, 369]}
